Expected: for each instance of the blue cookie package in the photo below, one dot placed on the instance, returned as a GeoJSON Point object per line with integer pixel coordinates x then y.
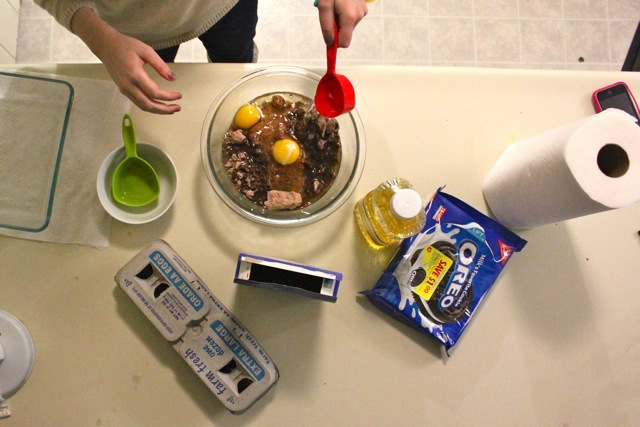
{"type": "Point", "coordinates": [438, 277]}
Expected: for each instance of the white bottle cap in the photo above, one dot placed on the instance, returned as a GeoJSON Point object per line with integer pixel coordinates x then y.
{"type": "Point", "coordinates": [406, 203]}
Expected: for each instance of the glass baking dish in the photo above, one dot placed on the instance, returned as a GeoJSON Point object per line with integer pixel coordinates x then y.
{"type": "Point", "coordinates": [34, 114]}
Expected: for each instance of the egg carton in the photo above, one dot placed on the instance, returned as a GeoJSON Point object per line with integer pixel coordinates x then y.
{"type": "Point", "coordinates": [217, 347]}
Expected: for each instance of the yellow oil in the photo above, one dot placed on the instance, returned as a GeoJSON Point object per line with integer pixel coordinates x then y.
{"type": "Point", "coordinates": [377, 222]}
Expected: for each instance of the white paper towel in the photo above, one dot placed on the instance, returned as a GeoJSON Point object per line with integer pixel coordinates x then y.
{"type": "Point", "coordinates": [585, 167]}
{"type": "Point", "coordinates": [94, 130]}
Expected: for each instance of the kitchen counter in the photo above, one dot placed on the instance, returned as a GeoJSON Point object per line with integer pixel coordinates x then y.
{"type": "Point", "coordinates": [556, 341]}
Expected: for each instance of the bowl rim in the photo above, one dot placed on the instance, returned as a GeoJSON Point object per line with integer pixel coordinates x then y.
{"type": "Point", "coordinates": [142, 216]}
{"type": "Point", "coordinates": [326, 210]}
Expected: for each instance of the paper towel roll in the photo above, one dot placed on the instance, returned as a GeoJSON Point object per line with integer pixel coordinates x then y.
{"type": "Point", "coordinates": [585, 167]}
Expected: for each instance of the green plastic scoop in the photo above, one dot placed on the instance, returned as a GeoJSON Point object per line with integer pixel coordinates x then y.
{"type": "Point", "coordinates": [135, 182]}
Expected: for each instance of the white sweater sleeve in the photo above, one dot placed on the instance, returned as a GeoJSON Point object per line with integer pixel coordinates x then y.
{"type": "Point", "coordinates": [160, 24]}
{"type": "Point", "coordinates": [63, 10]}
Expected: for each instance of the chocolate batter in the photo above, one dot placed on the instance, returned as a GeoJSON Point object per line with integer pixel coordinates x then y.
{"type": "Point", "coordinates": [246, 154]}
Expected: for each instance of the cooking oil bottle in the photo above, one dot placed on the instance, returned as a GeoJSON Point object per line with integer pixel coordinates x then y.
{"type": "Point", "coordinates": [390, 213]}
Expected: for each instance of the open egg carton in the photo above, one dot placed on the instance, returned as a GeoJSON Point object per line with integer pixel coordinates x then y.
{"type": "Point", "coordinates": [224, 355]}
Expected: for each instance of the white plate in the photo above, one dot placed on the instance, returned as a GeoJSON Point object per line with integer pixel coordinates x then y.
{"type": "Point", "coordinates": [167, 176]}
{"type": "Point", "coordinates": [16, 354]}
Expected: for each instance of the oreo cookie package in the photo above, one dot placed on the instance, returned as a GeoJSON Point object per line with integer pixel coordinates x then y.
{"type": "Point", "coordinates": [438, 277]}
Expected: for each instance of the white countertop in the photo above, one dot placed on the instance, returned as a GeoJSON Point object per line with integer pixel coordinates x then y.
{"type": "Point", "coordinates": [556, 341]}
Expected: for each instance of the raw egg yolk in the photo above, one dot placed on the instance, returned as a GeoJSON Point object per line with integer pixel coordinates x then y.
{"type": "Point", "coordinates": [286, 151]}
{"type": "Point", "coordinates": [247, 116]}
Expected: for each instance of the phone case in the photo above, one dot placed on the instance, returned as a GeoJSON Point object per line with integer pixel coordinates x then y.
{"type": "Point", "coordinates": [596, 103]}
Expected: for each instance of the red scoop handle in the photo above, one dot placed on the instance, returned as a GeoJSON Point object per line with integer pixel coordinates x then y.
{"type": "Point", "coordinates": [332, 51]}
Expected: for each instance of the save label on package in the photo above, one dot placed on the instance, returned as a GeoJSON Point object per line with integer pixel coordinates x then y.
{"type": "Point", "coordinates": [435, 266]}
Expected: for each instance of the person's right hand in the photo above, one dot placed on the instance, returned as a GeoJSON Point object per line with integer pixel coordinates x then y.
{"type": "Point", "coordinates": [346, 13]}
{"type": "Point", "coordinates": [125, 58]}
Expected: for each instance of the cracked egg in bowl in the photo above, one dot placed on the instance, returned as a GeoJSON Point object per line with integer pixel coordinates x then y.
{"type": "Point", "coordinates": [271, 157]}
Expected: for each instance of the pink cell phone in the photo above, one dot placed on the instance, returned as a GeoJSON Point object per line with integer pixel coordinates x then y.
{"type": "Point", "coordinates": [617, 95]}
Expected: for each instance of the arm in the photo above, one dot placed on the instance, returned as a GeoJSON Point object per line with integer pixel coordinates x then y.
{"type": "Point", "coordinates": [125, 57]}
{"type": "Point", "coordinates": [348, 13]}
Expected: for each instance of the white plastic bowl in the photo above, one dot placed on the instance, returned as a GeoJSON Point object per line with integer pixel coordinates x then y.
{"type": "Point", "coordinates": [167, 176]}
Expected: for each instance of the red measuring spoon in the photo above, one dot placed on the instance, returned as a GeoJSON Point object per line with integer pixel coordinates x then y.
{"type": "Point", "coordinates": [335, 94]}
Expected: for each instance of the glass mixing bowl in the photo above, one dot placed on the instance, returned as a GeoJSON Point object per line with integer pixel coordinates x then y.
{"type": "Point", "coordinates": [220, 116]}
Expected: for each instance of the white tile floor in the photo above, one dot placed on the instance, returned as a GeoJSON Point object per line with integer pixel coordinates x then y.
{"type": "Point", "coordinates": [552, 34]}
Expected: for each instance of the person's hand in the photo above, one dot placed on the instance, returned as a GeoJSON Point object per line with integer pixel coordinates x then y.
{"type": "Point", "coordinates": [347, 13]}
{"type": "Point", "coordinates": [125, 58]}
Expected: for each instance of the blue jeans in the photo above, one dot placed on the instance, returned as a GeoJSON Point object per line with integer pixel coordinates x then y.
{"type": "Point", "coordinates": [228, 40]}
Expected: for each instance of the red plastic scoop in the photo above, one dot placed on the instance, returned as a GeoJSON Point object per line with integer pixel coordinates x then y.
{"type": "Point", "coordinates": [335, 94]}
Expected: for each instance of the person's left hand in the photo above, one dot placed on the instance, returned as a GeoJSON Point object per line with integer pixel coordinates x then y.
{"type": "Point", "coordinates": [347, 13]}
